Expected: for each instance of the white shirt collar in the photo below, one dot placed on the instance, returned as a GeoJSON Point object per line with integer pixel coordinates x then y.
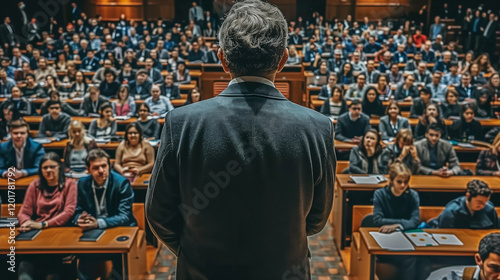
{"type": "Point", "coordinates": [20, 150]}
{"type": "Point", "coordinates": [254, 79]}
{"type": "Point", "coordinates": [95, 186]}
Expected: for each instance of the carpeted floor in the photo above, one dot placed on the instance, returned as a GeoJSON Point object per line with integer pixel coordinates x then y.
{"type": "Point", "coordinates": [326, 263]}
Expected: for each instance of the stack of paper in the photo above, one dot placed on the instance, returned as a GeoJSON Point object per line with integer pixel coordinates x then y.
{"type": "Point", "coordinates": [395, 241]}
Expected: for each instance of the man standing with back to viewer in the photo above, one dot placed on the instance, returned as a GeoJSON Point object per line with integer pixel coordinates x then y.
{"type": "Point", "coordinates": [243, 178]}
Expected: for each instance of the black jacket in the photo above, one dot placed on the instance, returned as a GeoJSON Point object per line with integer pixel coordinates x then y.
{"type": "Point", "coordinates": [253, 202]}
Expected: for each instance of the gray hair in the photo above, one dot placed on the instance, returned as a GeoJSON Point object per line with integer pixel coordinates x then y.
{"type": "Point", "coordinates": [253, 38]}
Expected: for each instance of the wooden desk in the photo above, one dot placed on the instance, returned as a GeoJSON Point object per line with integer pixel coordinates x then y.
{"type": "Point", "coordinates": [141, 183]}
{"type": "Point", "coordinates": [363, 268]}
{"type": "Point", "coordinates": [64, 240]}
{"type": "Point", "coordinates": [346, 146]}
{"type": "Point", "coordinates": [413, 122]}
{"type": "Point", "coordinates": [20, 184]}
{"type": "Point", "coordinates": [347, 191]}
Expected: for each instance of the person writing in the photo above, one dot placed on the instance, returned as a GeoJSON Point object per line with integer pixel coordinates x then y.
{"type": "Point", "coordinates": [229, 151]}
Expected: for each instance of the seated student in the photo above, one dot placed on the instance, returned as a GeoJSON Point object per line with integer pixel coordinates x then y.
{"type": "Point", "coordinates": [404, 151]}
{"type": "Point", "coordinates": [77, 148]}
{"type": "Point", "coordinates": [327, 90]}
{"type": "Point", "coordinates": [32, 88]}
{"type": "Point", "coordinates": [24, 107]}
{"type": "Point", "coordinates": [407, 91]}
{"type": "Point", "coordinates": [419, 104]}
{"type": "Point", "coordinates": [472, 211]}
{"type": "Point", "coordinates": [345, 75]}
{"type": "Point", "coordinates": [50, 201]}
{"type": "Point", "coordinates": [115, 196]}
{"type": "Point", "coordinates": [109, 87]}
{"type": "Point", "coordinates": [452, 78]}
{"type": "Point", "coordinates": [431, 116]}
{"type": "Point", "coordinates": [396, 207]}
{"type": "Point", "coordinates": [357, 90]}
{"type": "Point", "coordinates": [51, 84]}
{"type": "Point", "coordinates": [437, 156]}
{"type": "Point", "coordinates": [8, 113]}
{"type": "Point", "coordinates": [484, 109]}
{"type": "Point", "coordinates": [487, 262]}
{"type": "Point", "coordinates": [105, 124]}
{"type": "Point", "coordinates": [170, 90]}
{"type": "Point", "coordinates": [372, 105]}
{"type": "Point", "coordinates": [369, 157]}
{"type": "Point", "coordinates": [159, 104]}
{"type": "Point", "coordinates": [79, 88]}
{"type": "Point", "coordinates": [352, 125]}
{"type": "Point", "coordinates": [140, 88]}
{"type": "Point", "coordinates": [466, 91]}
{"type": "Point", "coordinates": [20, 152]}
{"type": "Point", "coordinates": [392, 122]}
{"type": "Point", "coordinates": [437, 88]}
{"type": "Point", "coordinates": [127, 74]}
{"type": "Point", "coordinates": [384, 90]}
{"type": "Point", "coordinates": [322, 69]}
{"type": "Point", "coordinates": [55, 123]}
{"type": "Point", "coordinates": [6, 83]}
{"type": "Point", "coordinates": [181, 75]}
{"type": "Point", "coordinates": [150, 127]}
{"type": "Point", "coordinates": [466, 128]}
{"type": "Point", "coordinates": [65, 107]}
{"type": "Point", "coordinates": [194, 96]}
{"type": "Point", "coordinates": [91, 104]}
{"type": "Point", "coordinates": [395, 76]}
{"type": "Point", "coordinates": [134, 155]}
{"type": "Point", "coordinates": [450, 106]}
{"type": "Point", "coordinates": [488, 160]}
{"type": "Point", "coordinates": [124, 105]}
{"type": "Point", "coordinates": [334, 105]}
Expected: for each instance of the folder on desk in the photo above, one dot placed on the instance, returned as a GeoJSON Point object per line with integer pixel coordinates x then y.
{"type": "Point", "coordinates": [421, 238]}
{"type": "Point", "coordinates": [369, 180]}
{"type": "Point", "coordinates": [395, 241]}
{"type": "Point", "coordinates": [44, 140]}
{"type": "Point", "coordinates": [28, 235]}
{"type": "Point", "coordinates": [447, 239]}
{"type": "Point", "coordinates": [92, 235]}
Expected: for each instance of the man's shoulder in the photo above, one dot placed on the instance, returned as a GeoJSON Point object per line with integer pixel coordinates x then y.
{"type": "Point", "coordinates": [420, 142]}
{"type": "Point", "coordinates": [6, 146]}
{"type": "Point", "coordinates": [455, 205]}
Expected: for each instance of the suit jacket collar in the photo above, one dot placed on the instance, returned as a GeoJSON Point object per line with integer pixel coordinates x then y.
{"type": "Point", "coordinates": [252, 89]}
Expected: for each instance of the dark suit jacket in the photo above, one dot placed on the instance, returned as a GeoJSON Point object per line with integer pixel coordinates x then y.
{"type": "Point", "coordinates": [400, 94]}
{"type": "Point", "coordinates": [119, 199]}
{"type": "Point", "coordinates": [462, 92]}
{"type": "Point", "coordinates": [445, 155]}
{"type": "Point", "coordinates": [145, 91]}
{"type": "Point", "coordinates": [33, 153]}
{"type": "Point", "coordinates": [5, 35]}
{"type": "Point", "coordinates": [247, 212]}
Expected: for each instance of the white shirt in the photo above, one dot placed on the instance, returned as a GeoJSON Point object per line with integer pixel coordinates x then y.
{"type": "Point", "coordinates": [100, 203]}
{"type": "Point", "coordinates": [19, 156]}
{"type": "Point", "coordinates": [254, 79]}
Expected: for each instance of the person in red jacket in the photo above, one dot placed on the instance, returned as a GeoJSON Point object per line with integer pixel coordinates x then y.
{"type": "Point", "coordinates": [419, 38]}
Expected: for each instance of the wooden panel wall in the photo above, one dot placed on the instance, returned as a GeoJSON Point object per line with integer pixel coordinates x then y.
{"type": "Point", "coordinates": [134, 9]}
{"type": "Point", "coordinates": [374, 9]}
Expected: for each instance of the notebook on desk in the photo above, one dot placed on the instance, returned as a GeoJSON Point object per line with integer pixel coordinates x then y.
{"type": "Point", "coordinates": [44, 140]}
{"type": "Point", "coordinates": [92, 235]}
{"type": "Point", "coordinates": [28, 235]}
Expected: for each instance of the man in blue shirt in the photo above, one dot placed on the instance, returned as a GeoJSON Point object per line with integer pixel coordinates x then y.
{"type": "Point", "coordinates": [472, 211]}
{"type": "Point", "coordinates": [372, 46]}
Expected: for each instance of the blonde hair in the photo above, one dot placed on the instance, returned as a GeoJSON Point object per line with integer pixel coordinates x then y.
{"type": "Point", "coordinates": [77, 124]}
{"type": "Point", "coordinates": [399, 168]}
{"type": "Point", "coordinates": [495, 144]}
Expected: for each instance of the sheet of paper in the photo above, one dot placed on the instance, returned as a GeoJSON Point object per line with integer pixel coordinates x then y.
{"type": "Point", "coordinates": [395, 241]}
{"type": "Point", "coordinates": [447, 239]}
{"type": "Point", "coordinates": [421, 239]}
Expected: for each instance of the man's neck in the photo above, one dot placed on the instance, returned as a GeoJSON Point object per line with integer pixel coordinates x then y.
{"type": "Point", "coordinates": [18, 146]}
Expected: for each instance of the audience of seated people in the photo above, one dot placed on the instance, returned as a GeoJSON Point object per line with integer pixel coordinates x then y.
{"type": "Point", "coordinates": [363, 61]}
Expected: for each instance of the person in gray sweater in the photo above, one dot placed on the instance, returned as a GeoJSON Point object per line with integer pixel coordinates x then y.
{"type": "Point", "coordinates": [54, 124]}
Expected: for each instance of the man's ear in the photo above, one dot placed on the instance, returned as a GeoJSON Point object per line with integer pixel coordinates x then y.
{"type": "Point", "coordinates": [223, 61]}
{"type": "Point", "coordinates": [283, 60]}
{"type": "Point", "coordinates": [479, 262]}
